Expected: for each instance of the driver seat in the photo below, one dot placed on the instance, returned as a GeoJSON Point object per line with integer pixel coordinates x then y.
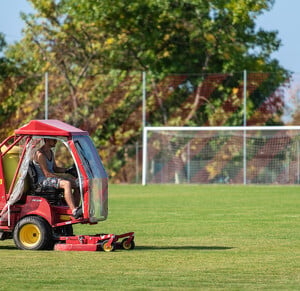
{"type": "Point", "coordinates": [53, 195]}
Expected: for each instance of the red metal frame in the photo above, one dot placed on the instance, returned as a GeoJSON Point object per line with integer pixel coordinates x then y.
{"type": "Point", "coordinates": [5, 195]}
{"type": "Point", "coordinates": [18, 168]}
{"type": "Point", "coordinates": [85, 179]}
{"type": "Point", "coordinates": [2, 186]}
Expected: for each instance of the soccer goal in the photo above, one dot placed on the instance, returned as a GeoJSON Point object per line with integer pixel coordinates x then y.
{"type": "Point", "coordinates": [237, 155]}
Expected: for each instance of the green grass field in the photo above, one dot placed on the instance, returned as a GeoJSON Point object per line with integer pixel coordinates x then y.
{"type": "Point", "coordinates": [187, 237]}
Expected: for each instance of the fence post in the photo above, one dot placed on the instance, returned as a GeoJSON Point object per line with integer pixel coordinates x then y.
{"type": "Point", "coordinates": [298, 162]}
{"type": "Point", "coordinates": [245, 132]}
{"type": "Point", "coordinates": [144, 171]}
{"type": "Point", "coordinates": [137, 162]}
{"type": "Point", "coordinates": [189, 162]}
{"type": "Point", "coordinates": [144, 100]}
{"type": "Point", "coordinates": [144, 177]}
{"type": "Point", "coordinates": [46, 95]}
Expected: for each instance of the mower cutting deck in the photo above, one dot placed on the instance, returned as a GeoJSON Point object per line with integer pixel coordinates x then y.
{"type": "Point", "coordinates": [98, 242]}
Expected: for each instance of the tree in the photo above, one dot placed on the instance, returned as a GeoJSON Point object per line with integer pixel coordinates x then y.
{"type": "Point", "coordinates": [181, 36]}
{"type": "Point", "coordinates": [2, 59]}
{"type": "Point", "coordinates": [203, 36]}
{"type": "Point", "coordinates": [81, 38]}
{"type": "Point", "coordinates": [12, 87]}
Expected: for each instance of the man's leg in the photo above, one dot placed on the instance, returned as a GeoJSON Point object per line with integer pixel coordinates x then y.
{"type": "Point", "coordinates": [66, 185]}
{"type": "Point", "coordinates": [76, 192]}
{"type": "Point", "coordinates": [77, 197]}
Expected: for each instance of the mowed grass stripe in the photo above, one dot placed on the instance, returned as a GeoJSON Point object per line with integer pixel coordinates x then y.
{"type": "Point", "coordinates": [187, 237]}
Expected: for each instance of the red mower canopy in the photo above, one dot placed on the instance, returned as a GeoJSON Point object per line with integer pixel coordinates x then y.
{"type": "Point", "coordinates": [49, 128]}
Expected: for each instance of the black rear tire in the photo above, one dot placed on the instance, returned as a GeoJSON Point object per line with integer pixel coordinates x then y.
{"type": "Point", "coordinates": [127, 245]}
{"type": "Point", "coordinates": [33, 233]}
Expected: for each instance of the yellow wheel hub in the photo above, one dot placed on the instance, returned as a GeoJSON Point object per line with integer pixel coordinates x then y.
{"type": "Point", "coordinates": [30, 235]}
{"type": "Point", "coordinates": [126, 245]}
{"type": "Point", "coordinates": [108, 248]}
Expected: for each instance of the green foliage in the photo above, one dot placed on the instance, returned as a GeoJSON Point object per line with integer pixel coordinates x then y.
{"type": "Point", "coordinates": [178, 36]}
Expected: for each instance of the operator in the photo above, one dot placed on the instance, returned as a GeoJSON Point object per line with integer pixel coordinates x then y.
{"type": "Point", "coordinates": [48, 176]}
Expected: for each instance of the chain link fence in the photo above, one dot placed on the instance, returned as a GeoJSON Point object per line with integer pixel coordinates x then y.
{"type": "Point", "coordinates": [111, 108]}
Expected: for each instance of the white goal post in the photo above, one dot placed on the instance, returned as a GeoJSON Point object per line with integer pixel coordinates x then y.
{"type": "Point", "coordinates": [232, 154]}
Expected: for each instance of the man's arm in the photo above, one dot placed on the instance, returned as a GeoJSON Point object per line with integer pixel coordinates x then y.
{"type": "Point", "coordinates": [41, 159]}
{"type": "Point", "coordinates": [58, 169]}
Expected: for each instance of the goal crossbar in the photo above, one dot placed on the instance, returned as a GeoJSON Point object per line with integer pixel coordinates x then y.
{"type": "Point", "coordinates": [220, 128]}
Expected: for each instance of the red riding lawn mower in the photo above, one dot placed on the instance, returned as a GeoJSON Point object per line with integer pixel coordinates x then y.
{"type": "Point", "coordinates": [38, 218]}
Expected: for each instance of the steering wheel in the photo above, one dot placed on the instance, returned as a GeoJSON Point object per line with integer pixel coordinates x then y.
{"type": "Point", "coordinates": [72, 171]}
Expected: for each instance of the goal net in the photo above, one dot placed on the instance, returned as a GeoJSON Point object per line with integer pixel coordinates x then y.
{"type": "Point", "coordinates": [237, 155]}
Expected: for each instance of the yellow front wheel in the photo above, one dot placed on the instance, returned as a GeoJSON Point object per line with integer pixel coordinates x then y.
{"type": "Point", "coordinates": [108, 248]}
{"type": "Point", "coordinates": [33, 233]}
